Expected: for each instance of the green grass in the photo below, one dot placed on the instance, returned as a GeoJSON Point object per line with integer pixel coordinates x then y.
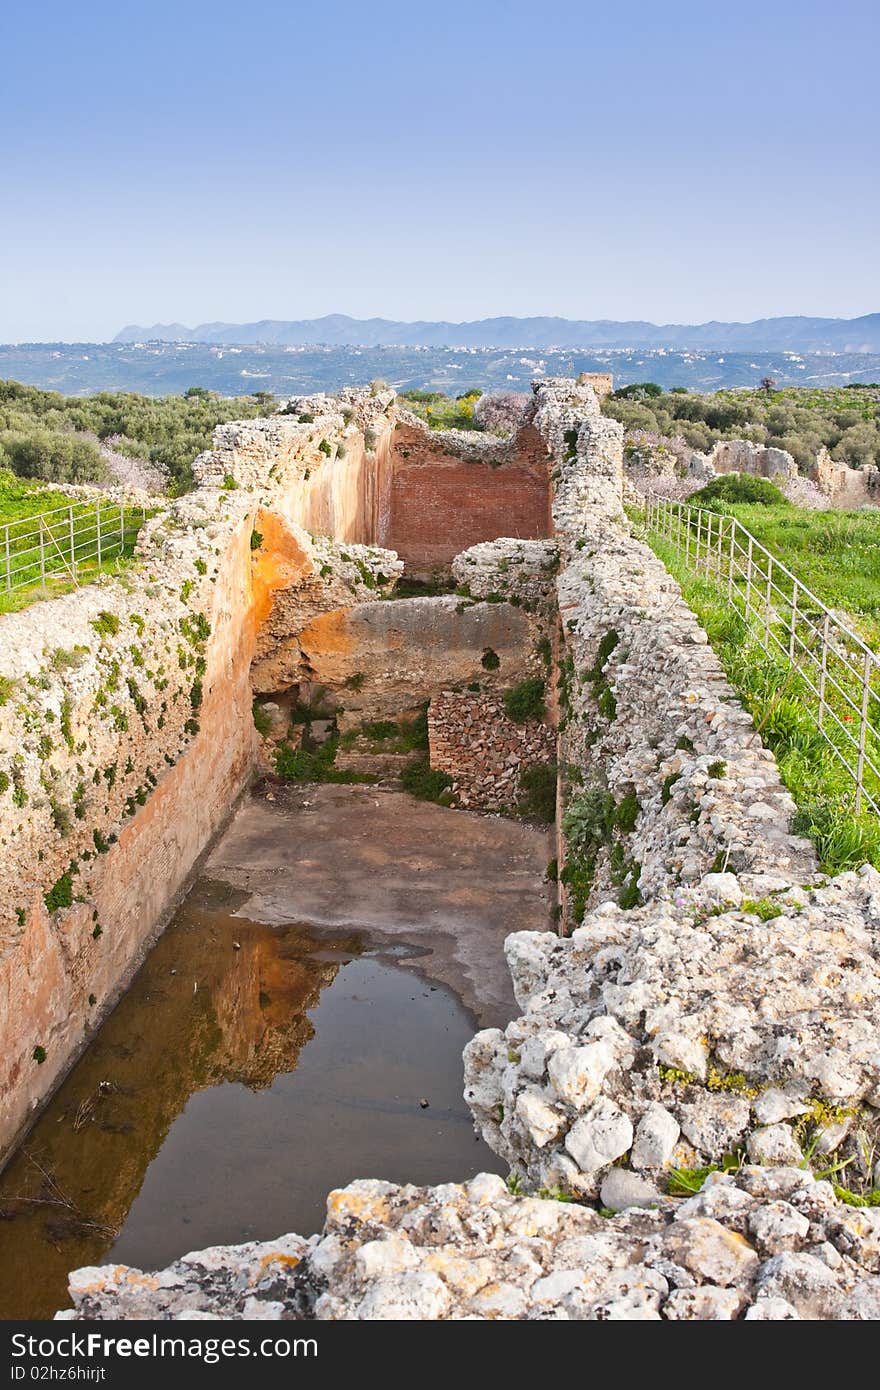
{"type": "Point", "coordinates": [835, 554]}
{"type": "Point", "coordinates": [21, 502]}
{"type": "Point", "coordinates": [302, 765]}
{"type": "Point", "coordinates": [776, 697]}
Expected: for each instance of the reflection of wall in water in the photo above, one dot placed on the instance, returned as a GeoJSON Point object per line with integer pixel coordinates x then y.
{"type": "Point", "coordinates": [227, 1013]}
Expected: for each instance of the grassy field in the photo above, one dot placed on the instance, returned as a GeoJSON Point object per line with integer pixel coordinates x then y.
{"type": "Point", "coordinates": [21, 502]}
{"type": "Point", "coordinates": [836, 555]}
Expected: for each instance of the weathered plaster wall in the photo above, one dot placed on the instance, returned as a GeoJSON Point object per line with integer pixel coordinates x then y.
{"type": "Point", "coordinates": [447, 494]}
{"type": "Point", "coordinates": [389, 656]}
{"type": "Point", "coordinates": [126, 733]}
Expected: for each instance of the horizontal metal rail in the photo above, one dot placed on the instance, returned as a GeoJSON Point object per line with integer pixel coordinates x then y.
{"type": "Point", "coordinates": [832, 672]}
{"type": "Point", "coordinates": [67, 543]}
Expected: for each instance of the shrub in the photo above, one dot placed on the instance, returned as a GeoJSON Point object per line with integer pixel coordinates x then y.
{"type": "Point", "coordinates": [537, 792]}
{"type": "Point", "coordinates": [256, 540]}
{"type": "Point", "coordinates": [106, 624]}
{"type": "Point", "coordinates": [427, 783]}
{"type": "Point", "coordinates": [627, 813]}
{"type": "Point", "coordinates": [262, 722]}
{"type": "Point", "coordinates": [490, 661]}
{"type": "Point", "coordinates": [526, 700]}
{"type": "Point", "coordinates": [739, 487]}
{"type": "Point", "coordinates": [61, 893]}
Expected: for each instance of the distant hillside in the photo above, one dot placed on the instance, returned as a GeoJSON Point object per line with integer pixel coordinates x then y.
{"type": "Point", "coordinates": [795, 333]}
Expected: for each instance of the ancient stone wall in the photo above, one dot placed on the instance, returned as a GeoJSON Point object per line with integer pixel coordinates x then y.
{"type": "Point", "coordinates": [327, 465]}
{"type": "Point", "coordinates": [729, 1021]}
{"type": "Point", "coordinates": [484, 751]}
{"type": "Point", "coordinates": [386, 657]}
{"type": "Point", "coordinates": [449, 491]}
{"type": "Point", "coordinates": [126, 732]}
{"type": "Point", "coordinates": [743, 456]}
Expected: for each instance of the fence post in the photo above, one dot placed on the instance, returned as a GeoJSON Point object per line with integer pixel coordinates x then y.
{"type": "Point", "coordinates": [687, 537]}
{"type": "Point", "coordinates": [8, 563]}
{"type": "Point", "coordinates": [863, 729]}
{"type": "Point", "coordinates": [823, 670]}
{"type": "Point", "coordinates": [730, 536]}
{"type": "Point", "coordinates": [720, 533]}
{"type": "Point", "coordinates": [42, 557]}
{"type": "Point", "coordinates": [794, 618]}
{"type": "Point", "coordinates": [98, 529]}
{"type": "Point", "coordinates": [72, 542]}
{"type": "Point", "coordinates": [749, 580]}
{"type": "Point", "coordinates": [767, 605]}
{"type": "Point", "coordinates": [121, 529]}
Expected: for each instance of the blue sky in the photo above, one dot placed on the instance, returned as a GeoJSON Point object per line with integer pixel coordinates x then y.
{"type": "Point", "coordinates": [195, 160]}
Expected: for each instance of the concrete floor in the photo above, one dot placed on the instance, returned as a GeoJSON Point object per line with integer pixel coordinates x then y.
{"type": "Point", "coordinates": [441, 886]}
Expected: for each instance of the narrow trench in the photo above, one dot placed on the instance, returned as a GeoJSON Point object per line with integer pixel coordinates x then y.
{"type": "Point", "coordinates": [299, 1024]}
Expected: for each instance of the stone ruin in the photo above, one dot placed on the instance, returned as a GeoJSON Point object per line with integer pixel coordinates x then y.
{"type": "Point", "coordinates": [695, 1067]}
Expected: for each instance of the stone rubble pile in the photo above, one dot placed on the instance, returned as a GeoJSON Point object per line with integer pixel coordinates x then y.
{"type": "Point", "coordinates": [761, 1244]}
{"type": "Point", "coordinates": [484, 751]}
{"type": "Point", "coordinates": [640, 1044]}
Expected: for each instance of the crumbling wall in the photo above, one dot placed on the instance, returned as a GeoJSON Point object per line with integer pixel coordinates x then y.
{"type": "Point", "coordinates": [744, 456]}
{"type": "Point", "coordinates": [483, 750]}
{"type": "Point", "coordinates": [845, 487]}
{"type": "Point", "coordinates": [450, 490]}
{"type": "Point", "coordinates": [126, 732]}
{"type": "Point", "coordinates": [327, 465]}
{"type": "Point", "coordinates": [386, 657]}
{"type": "Point", "coordinates": [729, 1021]}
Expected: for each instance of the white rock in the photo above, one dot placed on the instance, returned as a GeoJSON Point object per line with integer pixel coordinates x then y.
{"type": "Point", "coordinates": [415, 1296]}
{"type": "Point", "coordinates": [656, 1136]}
{"type": "Point", "coordinates": [576, 1073]}
{"type": "Point", "coordinates": [542, 1122]}
{"type": "Point", "coordinates": [704, 1304]}
{"type": "Point", "coordinates": [774, 1144]}
{"type": "Point", "coordinates": [622, 1188]}
{"type": "Point", "coordinates": [778, 1226]}
{"type": "Point", "coordinates": [600, 1136]}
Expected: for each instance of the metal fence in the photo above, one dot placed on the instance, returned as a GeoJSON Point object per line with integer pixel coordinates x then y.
{"type": "Point", "coordinates": [68, 543]}
{"type": "Point", "coordinates": [838, 675]}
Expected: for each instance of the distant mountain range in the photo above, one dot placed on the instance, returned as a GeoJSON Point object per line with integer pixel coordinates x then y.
{"type": "Point", "coordinates": [796, 333]}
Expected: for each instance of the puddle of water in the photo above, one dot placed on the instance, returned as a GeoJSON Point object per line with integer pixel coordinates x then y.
{"type": "Point", "coordinates": [248, 1070]}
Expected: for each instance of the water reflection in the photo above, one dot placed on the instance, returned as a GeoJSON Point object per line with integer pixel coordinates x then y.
{"type": "Point", "coordinates": [199, 1115]}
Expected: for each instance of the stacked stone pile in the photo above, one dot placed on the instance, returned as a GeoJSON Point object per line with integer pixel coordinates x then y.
{"type": "Point", "coordinates": [483, 751]}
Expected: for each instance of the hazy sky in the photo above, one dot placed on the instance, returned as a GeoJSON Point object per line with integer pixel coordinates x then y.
{"type": "Point", "coordinates": [192, 160]}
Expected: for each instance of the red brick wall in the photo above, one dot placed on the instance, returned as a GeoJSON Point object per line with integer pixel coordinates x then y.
{"type": "Point", "coordinates": [440, 504]}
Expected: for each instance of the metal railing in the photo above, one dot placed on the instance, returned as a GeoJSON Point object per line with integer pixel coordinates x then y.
{"type": "Point", "coordinates": [837, 674]}
{"type": "Point", "coordinates": [67, 543]}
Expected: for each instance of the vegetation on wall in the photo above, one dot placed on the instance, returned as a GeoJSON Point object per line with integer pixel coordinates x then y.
{"type": "Point", "coordinates": [444, 412]}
